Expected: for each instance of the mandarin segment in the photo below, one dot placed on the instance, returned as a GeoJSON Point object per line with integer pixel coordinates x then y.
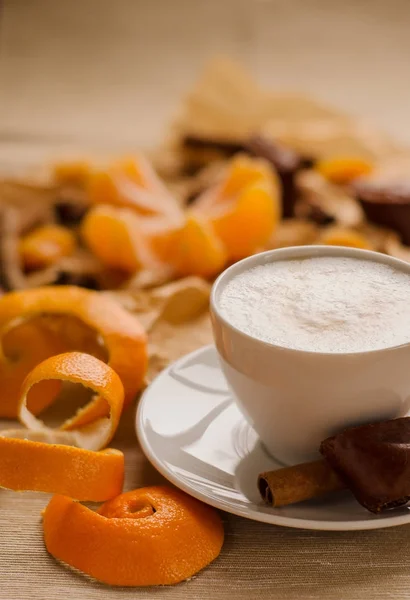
{"type": "Point", "coordinates": [197, 250]}
{"type": "Point", "coordinates": [46, 245]}
{"type": "Point", "coordinates": [343, 170]}
{"type": "Point", "coordinates": [340, 236]}
{"type": "Point", "coordinates": [73, 173]}
{"type": "Point", "coordinates": [249, 224]}
{"type": "Point", "coordinates": [169, 538]}
{"type": "Point", "coordinates": [132, 184]}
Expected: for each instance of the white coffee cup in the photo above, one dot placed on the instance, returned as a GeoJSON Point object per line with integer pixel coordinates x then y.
{"type": "Point", "coordinates": [294, 399]}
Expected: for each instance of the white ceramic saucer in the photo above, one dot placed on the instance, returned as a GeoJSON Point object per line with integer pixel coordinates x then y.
{"type": "Point", "coordinates": [191, 430]}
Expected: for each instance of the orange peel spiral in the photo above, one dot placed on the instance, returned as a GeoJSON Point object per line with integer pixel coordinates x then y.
{"type": "Point", "coordinates": [123, 336]}
{"type": "Point", "coordinates": [150, 536]}
{"type": "Point", "coordinates": [77, 367]}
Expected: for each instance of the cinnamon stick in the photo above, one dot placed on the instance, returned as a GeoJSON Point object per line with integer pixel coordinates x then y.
{"type": "Point", "coordinates": [297, 483]}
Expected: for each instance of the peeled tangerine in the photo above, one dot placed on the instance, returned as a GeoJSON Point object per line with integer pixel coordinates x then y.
{"type": "Point", "coordinates": [45, 245]}
{"type": "Point", "coordinates": [245, 208]}
{"type": "Point", "coordinates": [132, 183]}
{"type": "Point", "coordinates": [150, 536]}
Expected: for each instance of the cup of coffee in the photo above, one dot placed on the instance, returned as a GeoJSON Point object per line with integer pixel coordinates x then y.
{"type": "Point", "coordinates": [314, 339]}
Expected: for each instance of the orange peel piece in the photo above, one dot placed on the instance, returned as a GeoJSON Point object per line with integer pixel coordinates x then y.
{"type": "Point", "coordinates": [77, 367]}
{"type": "Point", "coordinates": [17, 361]}
{"type": "Point", "coordinates": [150, 536]}
{"type": "Point", "coordinates": [123, 336]}
{"type": "Point", "coordinates": [46, 245]}
{"type": "Point", "coordinates": [29, 463]}
{"type": "Point", "coordinates": [339, 236]}
{"type": "Point", "coordinates": [343, 170]}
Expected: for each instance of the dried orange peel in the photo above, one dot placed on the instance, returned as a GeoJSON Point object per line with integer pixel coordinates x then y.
{"type": "Point", "coordinates": [122, 334]}
{"type": "Point", "coordinates": [45, 245]}
{"type": "Point", "coordinates": [150, 536]}
{"type": "Point", "coordinates": [77, 367]}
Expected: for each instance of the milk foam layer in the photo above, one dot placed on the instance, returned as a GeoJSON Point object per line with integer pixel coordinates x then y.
{"type": "Point", "coordinates": [326, 304]}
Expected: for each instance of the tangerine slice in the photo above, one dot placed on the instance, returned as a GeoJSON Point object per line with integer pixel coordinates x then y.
{"type": "Point", "coordinates": [45, 245]}
{"type": "Point", "coordinates": [132, 183]}
{"type": "Point", "coordinates": [114, 235]}
{"type": "Point", "coordinates": [150, 536]}
{"type": "Point", "coordinates": [94, 374]}
{"type": "Point", "coordinates": [248, 224]}
{"type": "Point", "coordinates": [342, 170]}
{"type": "Point", "coordinates": [197, 250]}
{"type": "Point", "coordinates": [75, 172]}
{"type": "Point", "coordinates": [32, 464]}
{"type": "Point", "coordinates": [122, 334]}
{"type": "Point", "coordinates": [340, 236]}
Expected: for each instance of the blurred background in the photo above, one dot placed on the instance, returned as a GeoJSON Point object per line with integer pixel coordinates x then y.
{"type": "Point", "coordinates": [104, 73]}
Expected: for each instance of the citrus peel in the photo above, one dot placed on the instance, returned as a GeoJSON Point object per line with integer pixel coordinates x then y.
{"type": "Point", "coordinates": [150, 536]}
{"type": "Point", "coordinates": [77, 367]}
{"type": "Point", "coordinates": [122, 334]}
{"type": "Point", "coordinates": [30, 463]}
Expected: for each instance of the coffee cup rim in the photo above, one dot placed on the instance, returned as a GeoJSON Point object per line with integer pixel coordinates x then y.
{"type": "Point", "coordinates": [294, 252]}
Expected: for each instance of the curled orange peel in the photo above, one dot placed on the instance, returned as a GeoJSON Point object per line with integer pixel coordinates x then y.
{"type": "Point", "coordinates": [343, 170]}
{"type": "Point", "coordinates": [77, 367]}
{"type": "Point", "coordinates": [18, 359]}
{"type": "Point", "coordinates": [122, 334]}
{"type": "Point", "coordinates": [150, 536]}
{"type": "Point", "coordinates": [31, 463]}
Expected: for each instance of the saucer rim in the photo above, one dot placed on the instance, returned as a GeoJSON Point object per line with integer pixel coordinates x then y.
{"type": "Point", "coordinates": [247, 513]}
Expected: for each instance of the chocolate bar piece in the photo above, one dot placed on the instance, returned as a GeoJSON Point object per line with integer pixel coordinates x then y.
{"type": "Point", "coordinates": [374, 462]}
{"type": "Point", "coordinates": [386, 203]}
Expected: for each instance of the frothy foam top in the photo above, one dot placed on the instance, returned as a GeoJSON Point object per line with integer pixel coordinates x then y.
{"type": "Point", "coordinates": [326, 304]}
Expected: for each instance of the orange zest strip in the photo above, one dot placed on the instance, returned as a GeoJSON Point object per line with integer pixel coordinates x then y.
{"type": "Point", "coordinates": [123, 336]}
{"type": "Point", "coordinates": [45, 245]}
{"type": "Point", "coordinates": [150, 536]}
{"type": "Point", "coordinates": [92, 373]}
{"type": "Point", "coordinates": [28, 464]}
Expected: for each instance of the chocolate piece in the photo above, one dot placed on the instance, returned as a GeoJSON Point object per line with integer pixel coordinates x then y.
{"type": "Point", "coordinates": [80, 279]}
{"type": "Point", "coordinates": [374, 462]}
{"type": "Point", "coordinates": [69, 213]}
{"type": "Point", "coordinates": [285, 161]}
{"type": "Point", "coordinates": [227, 147]}
{"type": "Point", "coordinates": [386, 203]}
